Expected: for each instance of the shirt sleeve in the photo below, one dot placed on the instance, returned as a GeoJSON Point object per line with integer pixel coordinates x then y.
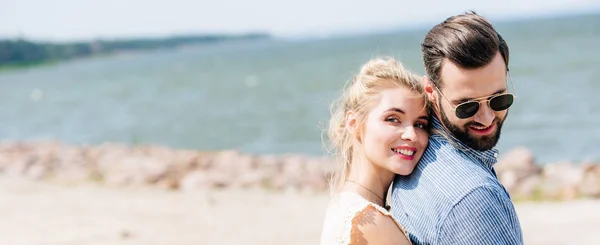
{"type": "Point", "coordinates": [483, 216]}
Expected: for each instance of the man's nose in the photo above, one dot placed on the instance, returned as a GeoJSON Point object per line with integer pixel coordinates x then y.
{"type": "Point", "coordinates": [485, 116]}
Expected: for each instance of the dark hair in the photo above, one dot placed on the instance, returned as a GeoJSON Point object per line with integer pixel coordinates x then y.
{"type": "Point", "coordinates": [468, 40]}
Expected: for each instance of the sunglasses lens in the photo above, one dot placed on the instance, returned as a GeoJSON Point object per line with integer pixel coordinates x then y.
{"type": "Point", "coordinates": [467, 110]}
{"type": "Point", "coordinates": [501, 102]}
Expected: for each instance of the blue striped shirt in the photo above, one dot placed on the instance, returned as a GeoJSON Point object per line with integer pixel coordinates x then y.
{"type": "Point", "coordinates": [454, 197]}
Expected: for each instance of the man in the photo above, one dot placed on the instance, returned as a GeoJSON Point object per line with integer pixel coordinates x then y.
{"type": "Point", "coordinates": [453, 196]}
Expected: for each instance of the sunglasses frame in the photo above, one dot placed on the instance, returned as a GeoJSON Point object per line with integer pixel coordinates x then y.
{"type": "Point", "coordinates": [480, 99]}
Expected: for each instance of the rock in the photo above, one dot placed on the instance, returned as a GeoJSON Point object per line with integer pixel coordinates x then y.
{"type": "Point", "coordinates": [172, 169]}
{"type": "Point", "coordinates": [271, 168]}
{"type": "Point", "coordinates": [516, 165]}
{"type": "Point", "coordinates": [590, 183]}
{"type": "Point", "coordinates": [509, 179]}
{"type": "Point", "coordinates": [318, 171]}
{"type": "Point", "coordinates": [293, 171]}
{"type": "Point", "coordinates": [196, 180]}
{"type": "Point", "coordinates": [563, 173]}
{"type": "Point", "coordinates": [529, 188]}
{"type": "Point", "coordinates": [561, 181]}
{"type": "Point", "coordinates": [519, 158]}
{"type": "Point", "coordinates": [251, 179]}
{"type": "Point", "coordinates": [37, 171]}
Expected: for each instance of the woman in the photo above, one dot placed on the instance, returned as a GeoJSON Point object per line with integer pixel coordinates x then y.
{"type": "Point", "coordinates": [378, 129]}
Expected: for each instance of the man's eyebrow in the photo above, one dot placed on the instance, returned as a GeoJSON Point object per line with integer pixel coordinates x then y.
{"type": "Point", "coordinates": [461, 100]}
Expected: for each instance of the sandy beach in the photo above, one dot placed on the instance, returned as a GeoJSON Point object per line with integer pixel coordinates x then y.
{"type": "Point", "coordinates": [36, 213]}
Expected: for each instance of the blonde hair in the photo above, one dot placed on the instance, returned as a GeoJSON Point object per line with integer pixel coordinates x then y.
{"type": "Point", "coordinates": [374, 76]}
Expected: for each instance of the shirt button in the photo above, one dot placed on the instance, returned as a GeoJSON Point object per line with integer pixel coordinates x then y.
{"type": "Point", "coordinates": [496, 154]}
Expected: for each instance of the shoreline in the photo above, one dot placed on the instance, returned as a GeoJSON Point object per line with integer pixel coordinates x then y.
{"type": "Point", "coordinates": [30, 52]}
{"type": "Point", "coordinates": [120, 165]}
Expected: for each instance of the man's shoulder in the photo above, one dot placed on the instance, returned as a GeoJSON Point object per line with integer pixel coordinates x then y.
{"type": "Point", "coordinates": [446, 172]}
{"type": "Point", "coordinates": [485, 193]}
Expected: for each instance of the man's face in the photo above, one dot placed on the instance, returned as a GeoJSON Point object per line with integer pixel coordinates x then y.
{"type": "Point", "coordinates": [481, 131]}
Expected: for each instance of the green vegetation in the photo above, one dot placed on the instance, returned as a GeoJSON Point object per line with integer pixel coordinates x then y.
{"type": "Point", "coordinates": [19, 52]}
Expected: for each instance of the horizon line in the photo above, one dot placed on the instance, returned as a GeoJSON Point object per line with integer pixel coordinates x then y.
{"type": "Point", "coordinates": [306, 35]}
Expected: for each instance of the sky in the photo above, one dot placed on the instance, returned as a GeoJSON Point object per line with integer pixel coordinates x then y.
{"type": "Point", "coordinates": [70, 20]}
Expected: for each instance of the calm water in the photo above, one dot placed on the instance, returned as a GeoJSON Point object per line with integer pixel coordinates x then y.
{"type": "Point", "coordinates": [273, 96]}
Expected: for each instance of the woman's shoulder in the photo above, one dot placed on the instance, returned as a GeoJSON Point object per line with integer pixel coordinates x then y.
{"type": "Point", "coordinates": [362, 222]}
{"type": "Point", "coordinates": [375, 225]}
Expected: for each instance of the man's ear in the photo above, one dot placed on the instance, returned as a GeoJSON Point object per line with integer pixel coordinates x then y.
{"type": "Point", "coordinates": [429, 89]}
{"type": "Point", "coordinates": [432, 94]}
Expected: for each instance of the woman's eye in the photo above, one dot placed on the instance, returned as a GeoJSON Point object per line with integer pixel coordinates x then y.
{"type": "Point", "coordinates": [392, 119]}
{"type": "Point", "coordinates": [421, 125]}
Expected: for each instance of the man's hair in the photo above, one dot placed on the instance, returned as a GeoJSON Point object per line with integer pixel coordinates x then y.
{"type": "Point", "coordinates": [468, 40]}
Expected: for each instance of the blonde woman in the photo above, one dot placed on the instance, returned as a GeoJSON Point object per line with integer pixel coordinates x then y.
{"type": "Point", "coordinates": [378, 129]}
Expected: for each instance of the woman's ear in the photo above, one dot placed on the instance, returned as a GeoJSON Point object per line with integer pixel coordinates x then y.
{"type": "Point", "coordinates": [352, 124]}
{"type": "Point", "coordinates": [351, 121]}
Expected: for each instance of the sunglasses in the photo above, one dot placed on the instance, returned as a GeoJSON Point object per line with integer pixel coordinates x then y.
{"type": "Point", "coordinates": [498, 102]}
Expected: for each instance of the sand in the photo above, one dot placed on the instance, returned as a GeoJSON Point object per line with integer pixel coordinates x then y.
{"type": "Point", "coordinates": [33, 213]}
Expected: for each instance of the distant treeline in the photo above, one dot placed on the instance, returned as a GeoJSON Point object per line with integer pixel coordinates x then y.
{"type": "Point", "coordinates": [23, 52]}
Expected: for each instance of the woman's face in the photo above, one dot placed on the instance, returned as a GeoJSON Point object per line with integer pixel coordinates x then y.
{"type": "Point", "coordinates": [394, 135]}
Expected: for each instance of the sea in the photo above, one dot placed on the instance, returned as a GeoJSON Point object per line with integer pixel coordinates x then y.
{"type": "Point", "coordinates": [272, 96]}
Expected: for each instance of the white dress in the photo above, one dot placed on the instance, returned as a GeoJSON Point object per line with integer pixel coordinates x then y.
{"type": "Point", "coordinates": [340, 214]}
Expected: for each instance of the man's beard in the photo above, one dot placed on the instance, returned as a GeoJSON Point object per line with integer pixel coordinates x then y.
{"type": "Point", "coordinates": [483, 143]}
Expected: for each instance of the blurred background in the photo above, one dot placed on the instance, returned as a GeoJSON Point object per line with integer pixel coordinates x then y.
{"type": "Point", "coordinates": [258, 76]}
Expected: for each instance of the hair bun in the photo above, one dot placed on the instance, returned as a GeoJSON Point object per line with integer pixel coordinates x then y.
{"type": "Point", "coordinates": [385, 67]}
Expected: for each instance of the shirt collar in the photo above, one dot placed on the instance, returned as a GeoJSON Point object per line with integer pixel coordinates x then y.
{"type": "Point", "coordinates": [489, 157]}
